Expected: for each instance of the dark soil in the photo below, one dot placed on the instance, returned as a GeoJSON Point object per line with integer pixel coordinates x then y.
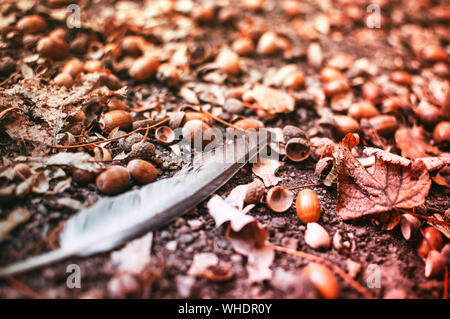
{"type": "Point", "coordinates": [402, 270]}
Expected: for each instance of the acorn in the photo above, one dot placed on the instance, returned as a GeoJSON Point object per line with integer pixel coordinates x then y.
{"type": "Point", "coordinates": [112, 49]}
{"type": "Point", "coordinates": [316, 236]}
{"type": "Point", "coordinates": [247, 124]}
{"type": "Point", "coordinates": [228, 61]}
{"type": "Point", "coordinates": [73, 67]}
{"type": "Point", "coordinates": [401, 77]}
{"type": "Point", "coordinates": [409, 226]}
{"type": "Point", "coordinates": [132, 45]}
{"type": "Point", "coordinates": [59, 33]}
{"type": "Point", "coordinates": [80, 44]}
{"type": "Point", "coordinates": [81, 176]}
{"type": "Point", "coordinates": [441, 133]}
{"type": "Point", "coordinates": [115, 104]}
{"type": "Point", "coordinates": [291, 131]}
{"type": "Point", "coordinates": [255, 191]}
{"type": "Point", "coordinates": [110, 80]}
{"type": "Point", "coordinates": [203, 14]}
{"type": "Point", "coordinates": [329, 74]}
{"type": "Point", "coordinates": [314, 55]}
{"type": "Point", "coordinates": [168, 74]}
{"type": "Point", "coordinates": [142, 171]}
{"type": "Point", "coordinates": [294, 80]}
{"type": "Point", "coordinates": [298, 149]}
{"type": "Point", "coordinates": [337, 86]}
{"type": "Point", "coordinates": [323, 279]}
{"type": "Point", "coordinates": [143, 68]}
{"type": "Point", "coordinates": [165, 134]}
{"type": "Point", "coordinates": [384, 124]}
{"type": "Point", "coordinates": [428, 113]}
{"type": "Point", "coordinates": [114, 180]}
{"type": "Point", "coordinates": [363, 109]}
{"type": "Point", "coordinates": [432, 239]}
{"type": "Point", "coordinates": [188, 116]}
{"type": "Point", "coordinates": [291, 7]}
{"type": "Point", "coordinates": [268, 43]}
{"type": "Point", "coordinates": [198, 133]}
{"type": "Point", "coordinates": [52, 47]}
{"type": "Point", "coordinates": [32, 24]}
{"type": "Point", "coordinates": [279, 199]}
{"type": "Point", "coordinates": [253, 5]}
{"type": "Point", "coordinates": [116, 118]}
{"type": "Point", "coordinates": [63, 79]}
{"type": "Point", "coordinates": [345, 124]}
{"type": "Point", "coordinates": [307, 206]}
{"type": "Point", "coordinates": [435, 264]}
{"type": "Point", "coordinates": [434, 53]}
{"type": "Point", "coordinates": [371, 91]}
{"type": "Point", "coordinates": [243, 46]}
{"type": "Point", "coordinates": [92, 66]}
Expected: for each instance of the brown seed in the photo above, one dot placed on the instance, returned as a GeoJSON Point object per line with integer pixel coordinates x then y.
{"type": "Point", "coordinates": [79, 116]}
{"type": "Point", "coordinates": [92, 66]}
{"type": "Point", "coordinates": [384, 124]}
{"type": "Point", "coordinates": [114, 180]}
{"type": "Point", "coordinates": [345, 124]}
{"type": "Point", "coordinates": [329, 74]}
{"type": "Point", "coordinates": [247, 124]}
{"type": "Point", "coordinates": [144, 67]}
{"type": "Point", "coordinates": [409, 226]}
{"type": "Point", "coordinates": [394, 104]}
{"type": "Point", "coordinates": [316, 236]}
{"type": "Point", "coordinates": [243, 46]}
{"type": "Point", "coordinates": [434, 53]}
{"type": "Point", "coordinates": [298, 149]}
{"type": "Point", "coordinates": [203, 14]}
{"type": "Point", "coordinates": [168, 74]}
{"type": "Point", "coordinates": [314, 55]}
{"type": "Point", "coordinates": [132, 45]}
{"type": "Point", "coordinates": [165, 134]}
{"type": "Point", "coordinates": [428, 113]}
{"type": "Point", "coordinates": [73, 67]}
{"type": "Point", "coordinates": [253, 5]}
{"type": "Point", "coordinates": [371, 91]}
{"type": "Point", "coordinates": [64, 79]}
{"type": "Point", "coordinates": [189, 116]}
{"type": "Point", "coordinates": [59, 33]}
{"type": "Point", "coordinates": [401, 77]}
{"type": "Point", "coordinates": [279, 199]}
{"type": "Point", "coordinates": [308, 206]}
{"type": "Point", "coordinates": [80, 44]}
{"type": "Point", "coordinates": [336, 86]}
{"type": "Point", "coordinates": [81, 176]}
{"type": "Point", "coordinates": [228, 61]}
{"type": "Point", "coordinates": [115, 104]}
{"type": "Point", "coordinates": [441, 133]}
{"type": "Point", "coordinates": [52, 47]}
{"type": "Point", "coordinates": [116, 118]}
{"type": "Point", "coordinates": [268, 43]}
{"type": "Point", "coordinates": [32, 24]}
{"type": "Point", "coordinates": [323, 279]}
{"type": "Point", "coordinates": [294, 80]}
{"type": "Point", "coordinates": [432, 239]}
{"type": "Point", "coordinates": [198, 133]}
{"type": "Point", "coordinates": [110, 80]}
{"type": "Point", "coordinates": [363, 109]}
{"type": "Point", "coordinates": [113, 49]}
{"type": "Point", "coordinates": [142, 171]}
{"type": "Point", "coordinates": [291, 131]}
{"type": "Point", "coordinates": [435, 264]}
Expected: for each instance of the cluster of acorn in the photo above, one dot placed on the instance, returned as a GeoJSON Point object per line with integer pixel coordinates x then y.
{"type": "Point", "coordinates": [436, 257]}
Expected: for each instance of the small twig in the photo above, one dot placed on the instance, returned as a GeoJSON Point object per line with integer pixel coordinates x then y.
{"type": "Point", "coordinates": [24, 289]}
{"type": "Point", "coordinates": [113, 138]}
{"type": "Point", "coordinates": [363, 291]}
{"type": "Point", "coordinates": [9, 78]}
{"type": "Point", "coordinates": [306, 185]}
{"type": "Point", "coordinates": [445, 295]}
{"type": "Point", "coordinates": [200, 110]}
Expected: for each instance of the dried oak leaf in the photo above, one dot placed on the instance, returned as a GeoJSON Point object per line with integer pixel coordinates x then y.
{"type": "Point", "coordinates": [413, 143]}
{"type": "Point", "coordinates": [272, 100]}
{"type": "Point", "coordinates": [247, 237]}
{"type": "Point", "coordinates": [393, 182]}
{"type": "Point", "coordinates": [265, 168]}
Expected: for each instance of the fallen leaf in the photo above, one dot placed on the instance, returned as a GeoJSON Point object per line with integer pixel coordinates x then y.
{"type": "Point", "coordinates": [272, 100]}
{"type": "Point", "coordinates": [201, 262]}
{"type": "Point", "coordinates": [247, 237]}
{"type": "Point", "coordinates": [413, 143]}
{"type": "Point", "coordinates": [265, 168]}
{"type": "Point", "coordinates": [393, 182]}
